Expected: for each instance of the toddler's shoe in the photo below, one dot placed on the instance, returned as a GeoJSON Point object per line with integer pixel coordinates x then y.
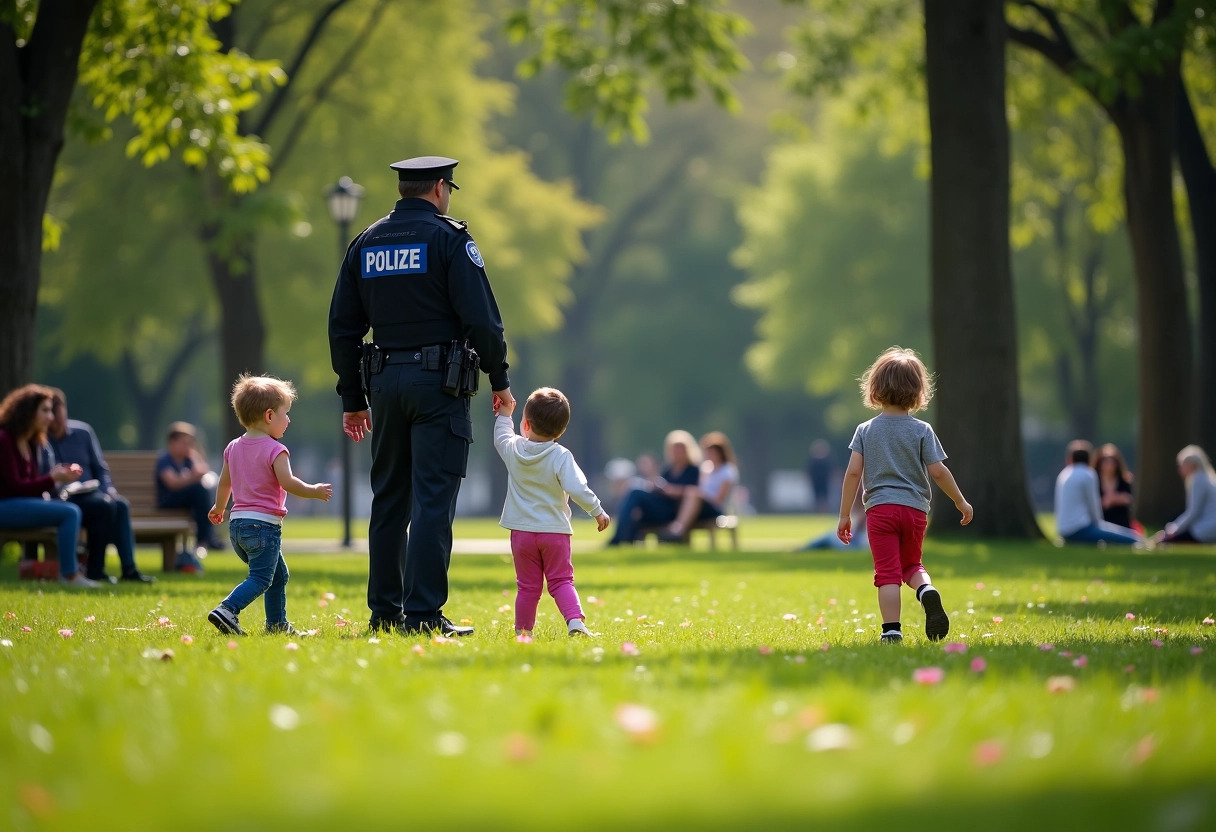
{"type": "Point", "coordinates": [937, 623]}
{"type": "Point", "coordinates": [892, 637]}
{"type": "Point", "coordinates": [576, 627]}
{"type": "Point", "coordinates": [225, 621]}
{"type": "Point", "coordinates": [80, 581]}
{"type": "Point", "coordinates": [281, 627]}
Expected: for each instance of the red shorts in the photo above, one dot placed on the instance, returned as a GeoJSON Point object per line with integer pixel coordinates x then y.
{"type": "Point", "coordinates": [896, 534]}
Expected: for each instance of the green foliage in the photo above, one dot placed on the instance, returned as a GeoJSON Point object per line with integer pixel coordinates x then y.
{"type": "Point", "coordinates": [617, 52]}
{"type": "Point", "coordinates": [835, 247]}
{"type": "Point", "coordinates": [158, 63]}
{"type": "Point", "coordinates": [103, 733]}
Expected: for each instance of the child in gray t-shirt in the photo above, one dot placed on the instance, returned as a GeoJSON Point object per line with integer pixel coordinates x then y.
{"type": "Point", "coordinates": [895, 455]}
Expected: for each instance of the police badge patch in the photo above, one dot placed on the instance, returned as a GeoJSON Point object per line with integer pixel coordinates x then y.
{"type": "Point", "coordinates": [471, 249]}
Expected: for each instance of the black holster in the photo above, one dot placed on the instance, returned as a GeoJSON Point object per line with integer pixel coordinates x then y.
{"type": "Point", "coordinates": [461, 370]}
{"type": "Point", "coordinates": [371, 361]}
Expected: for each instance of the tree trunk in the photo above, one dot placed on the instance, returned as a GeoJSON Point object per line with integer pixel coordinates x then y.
{"type": "Point", "coordinates": [1200, 177]}
{"type": "Point", "coordinates": [242, 330]}
{"type": "Point", "coordinates": [1146, 127]}
{"type": "Point", "coordinates": [974, 333]}
{"type": "Point", "coordinates": [39, 77]}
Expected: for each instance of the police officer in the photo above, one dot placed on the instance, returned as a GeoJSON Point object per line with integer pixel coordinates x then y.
{"type": "Point", "coordinates": [418, 281]}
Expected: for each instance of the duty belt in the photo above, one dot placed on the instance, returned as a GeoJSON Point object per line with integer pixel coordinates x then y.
{"type": "Point", "coordinates": [430, 357]}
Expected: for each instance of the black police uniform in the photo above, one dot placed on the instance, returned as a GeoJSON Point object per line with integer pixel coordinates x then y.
{"type": "Point", "coordinates": [418, 281]}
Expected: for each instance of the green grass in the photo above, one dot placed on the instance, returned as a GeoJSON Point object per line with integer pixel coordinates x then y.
{"type": "Point", "coordinates": [493, 733]}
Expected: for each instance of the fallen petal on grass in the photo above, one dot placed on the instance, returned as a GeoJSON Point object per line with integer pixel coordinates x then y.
{"type": "Point", "coordinates": [284, 717]}
{"type": "Point", "coordinates": [187, 639]}
{"type": "Point", "coordinates": [630, 649]}
{"type": "Point", "coordinates": [834, 736]}
{"type": "Point", "coordinates": [66, 633]}
{"type": "Point", "coordinates": [955, 647]}
{"type": "Point", "coordinates": [978, 665]}
{"type": "Point", "coordinates": [1080, 661]}
{"type": "Point", "coordinates": [1061, 684]}
{"type": "Point", "coordinates": [418, 650]}
{"type": "Point", "coordinates": [1157, 643]}
{"type": "Point", "coordinates": [638, 721]}
{"type": "Point", "coordinates": [90, 619]}
{"type": "Point", "coordinates": [988, 753]}
{"type": "Point", "coordinates": [1047, 647]}
{"type": "Point", "coordinates": [1195, 651]}
{"type": "Point", "coordinates": [928, 675]}
{"type": "Point", "coordinates": [1131, 616]}
{"type": "Point", "coordinates": [291, 645]}
{"type": "Point", "coordinates": [1207, 622]}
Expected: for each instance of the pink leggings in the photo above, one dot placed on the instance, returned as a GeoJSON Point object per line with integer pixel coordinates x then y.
{"type": "Point", "coordinates": [541, 557]}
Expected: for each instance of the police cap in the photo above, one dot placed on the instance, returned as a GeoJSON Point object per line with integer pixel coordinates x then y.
{"type": "Point", "coordinates": [422, 168]}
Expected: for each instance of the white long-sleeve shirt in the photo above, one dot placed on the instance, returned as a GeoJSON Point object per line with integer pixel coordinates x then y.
{"type": "Point", "coordinates": [1078, 499]}
{"type": "Point", "coordinates": [541, 478]}
{"type": "Point", "coordinates": [1200, 515]}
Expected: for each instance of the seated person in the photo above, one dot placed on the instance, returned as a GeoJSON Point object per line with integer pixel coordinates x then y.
{"type": "Point", "coordinates": [1115, 485]}
{"type": "Point", "coordinates": [179, 480]}
{"type": "Point", "coordinates": [658, 501]}
{"type": "Point", "coordinates": [25, 415]}
{"type": "Point", "coordinates": [106, 515]}
{"type": "Point", "coordinates": [718, 476]}
{"type": "Point", "coordinates": [830, 540]}
{"type": "Point", "coordinates": [1198, 523]}
{"type": "Point", "coordinates": [1078, 506]}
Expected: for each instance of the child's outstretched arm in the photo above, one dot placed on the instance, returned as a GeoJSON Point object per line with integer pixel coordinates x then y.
{"type": "Point", "coordinates": [945, 481]}
{"type": "Point", "coordinates": [574, 482]}
{"type": "Point", "coordinates": [848, 493]}
{"type": "Point", "coordinates": [294, 485]}
{"type": "Point", "coordinates": [222, 492]}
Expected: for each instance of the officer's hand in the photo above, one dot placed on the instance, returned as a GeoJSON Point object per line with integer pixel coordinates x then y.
{"type": "Point", "coordinates": [356, 425]}
{"type": "Point", "coordinates": [504, 397]}
{"type": "Point", "coordinates": [602, 520]}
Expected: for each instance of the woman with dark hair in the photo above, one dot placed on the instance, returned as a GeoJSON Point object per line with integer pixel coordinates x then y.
{"type": "Point", "coordinates": [1115, 485]}
{"type": "Point", "coordinates": [718, 477]}
{"type": "Point", "coordinates": [25, 415]}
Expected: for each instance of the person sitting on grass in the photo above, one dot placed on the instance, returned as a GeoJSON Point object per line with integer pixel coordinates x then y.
{"type": "Point", "coordinates": [25, 415]}
{"type": "Point", "coordinates": [1079, 506]}
{"type": "Point", "coordinates": [896, 455]}
{"type": "Point", "coordinates": [180, 470]}
{"type": "Point", "coordinates": [106, 515]}
{"type": "Point", "coordinates": [542, 477]}
{"type": "Point", "coordinates": [257, 474]}
{"type": "Point", "coordinates": [718, 477]}
{"type": "Point", "coordinates": [1198, 523]}
{"type": "Point", "coordinates": [858, 540]}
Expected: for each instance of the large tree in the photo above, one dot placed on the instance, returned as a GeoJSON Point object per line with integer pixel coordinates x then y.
{"type": "Point", "coordinates": [974, 334]}
{"type": "Point", "coordinates": [151, 60]}
{"type": "Point", "coordinates": [1129, 61]}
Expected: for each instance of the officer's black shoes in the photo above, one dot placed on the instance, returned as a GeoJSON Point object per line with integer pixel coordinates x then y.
{"type": "Point", "coordinates": [411, 626]}
{"type": "Point", "coordinates": [135, 576]}
{"type": "Point", "coordinates": [439, 626]}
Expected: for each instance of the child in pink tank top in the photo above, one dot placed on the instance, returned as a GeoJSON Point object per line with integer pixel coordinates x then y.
{"type": "Point", "coordinates": [257, 475]}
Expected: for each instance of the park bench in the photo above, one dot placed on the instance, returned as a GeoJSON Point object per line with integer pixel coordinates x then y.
{"type": "Point", "coordinates": [728, 523]}
{"type": "Point", "coordinates": [133, 473]}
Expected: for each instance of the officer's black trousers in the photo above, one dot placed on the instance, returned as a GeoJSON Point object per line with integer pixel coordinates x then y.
{"type": "Point", "coordinates": [420, 448]}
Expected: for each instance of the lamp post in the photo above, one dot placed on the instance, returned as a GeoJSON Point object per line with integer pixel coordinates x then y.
{"type": "Point", "coordinates": [343, 199]}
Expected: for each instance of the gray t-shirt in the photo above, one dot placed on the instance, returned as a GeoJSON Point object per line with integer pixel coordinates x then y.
{"type": "Point", "coordinates": [897, 451]}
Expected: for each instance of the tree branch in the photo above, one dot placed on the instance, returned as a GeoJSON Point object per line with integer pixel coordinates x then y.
{"type": "Point", "coordinates": [306, 46]}
{"type": "Point", "coordinates": [311, 102]}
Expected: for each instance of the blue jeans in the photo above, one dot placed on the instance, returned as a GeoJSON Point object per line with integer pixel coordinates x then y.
{"type": "Point", "coordinates": [33, 512]}
{"type": "Point", "coordinates": [199, 499]}
{"type": "Point", "coordinates": [642, 508]}
{"type": "Point", "coordinates": [260, 545]}
{"type": "Point", "coordinates": [1103, 531]}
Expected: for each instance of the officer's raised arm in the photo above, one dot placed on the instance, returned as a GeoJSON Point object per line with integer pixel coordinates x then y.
{"type": "Point", "coordinates": [471, 296]}
{"type": "Point", "coordinates": [348, 323]}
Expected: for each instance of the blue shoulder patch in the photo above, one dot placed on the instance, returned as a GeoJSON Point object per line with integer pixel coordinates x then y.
{"type": "Point", "coordinates": [471, 249]}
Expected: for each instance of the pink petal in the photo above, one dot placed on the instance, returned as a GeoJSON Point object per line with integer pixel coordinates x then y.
{"type": "Point", "coordinates": [418, 649]}
{"type": "Point", "coordinates": [638, 721]}
{"type": "Point", "coordinates": [322, 603]}
{"type": "Point", "coordinates": [978, 665]}
{"type": "Point", "coordinates": [14, 615]}
{"type": "Point", "coordinates": [1131, 668]}
{"type": "Point", "coordinates": [630, 649]}
{"type": "Point", "coordinates": [819, 621]}
{"type": "Point", "coordinates": [1080, 661]}
{"type": "Point", "coordinates": [1160, 630]}
{"type": "Point", "coordinates": [232, 645]}
{"type": "Point", "coordinates": [187, 639]}
{"type": "Point", "coordinates": [26, 630]}
{"type": "Point", "coordinates": [1061, 684]}
{"type": "Point", "coordinates": [505, 608]}
{"type": "Point", "coordinates": [90, 619]}
{"type": "Point", "coordinates": [520, 748]}
{"type": "Point", "coordinates": [825, 647]}
{"type": "Point", "coordinates": [979, 585]}
{"type": "Point", "coordinates": [1195, 651]}
{"type": "Point", "coordinates": [789, 616]}
{"type": "Point", "coordinates": [996, 619]}
{"type": "Point", "coordinates": [1047, 647]}
{"type": "Point", "coordinates": [1064, 654]}
{"type": "Point", "coordinates": [1207, 622]}
{"type": "Point", "coordinates": [1157, 643]}
{"type": "Point", "coordinates": [764, 650]}
{"type": "Point", "coordinates": [928, 675]}
{"type": "Point", "coordinates": [163, 622]}
{"type": "Point", "coordinates": [329, 596]}
{"type": "Point", "coordinates": [832, 602]}
{"type": "Point", "coordinates": [523, 639]}
{"type": "Point", "coordinates": [1143, 750]}
{"type": "Point", "coordinates": [66, 633]}
{"type": "Point", "coordinates": [685, 623]}
{"type": "Point", "coordinates": [988, 753]}
{"type": "Point", "coordinates": [1131, 616]}
{"type": "Point", "coordinates": [955, 647]}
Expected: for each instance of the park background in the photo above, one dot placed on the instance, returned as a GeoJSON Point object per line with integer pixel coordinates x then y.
{"type": "Point", "coordinates": [696, 265]}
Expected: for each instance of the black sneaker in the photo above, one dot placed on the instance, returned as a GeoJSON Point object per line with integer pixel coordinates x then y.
{"type": "Point", "coordinates": [440, 625]}
{"type": "Point", "coordinates": [226, 621]}
{"type": "Point", "coordinates": [937, 623]}
{"type": "Point", "coordinates": [103, 578]}
{"type": "Point", "coordinates": [281, 628]}
{"type": "Point", "coordinates": [892, 637]}
{"type": "Point", "coordinates": [388, 625]}
{"type": "Point", "coordinates": [138, 577]}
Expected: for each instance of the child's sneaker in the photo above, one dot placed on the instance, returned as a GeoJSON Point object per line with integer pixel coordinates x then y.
{"type": "Point", "coordinates": [892, 637]}
{"type": "Point", "coordinates": [576, 627]}
{"type": "Point", "coordinates": [937, 623]}
{"type": "Point", "coordinates": [225, 621]}
{"type": "Point", "coordinates": [281, 627]}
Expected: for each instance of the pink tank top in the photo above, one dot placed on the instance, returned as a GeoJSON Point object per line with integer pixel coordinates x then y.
{"type": "Point", "coordinates": [254, 484]}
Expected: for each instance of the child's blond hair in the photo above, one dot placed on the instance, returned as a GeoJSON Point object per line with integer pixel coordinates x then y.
{"type": "Point", "coordinates": [252, 396]}
{"type": "Point", "coordinates": [898, 378]}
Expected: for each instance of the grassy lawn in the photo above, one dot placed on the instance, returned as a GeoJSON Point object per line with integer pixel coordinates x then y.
{"type": "Point", "coordinates": [764, 700]}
